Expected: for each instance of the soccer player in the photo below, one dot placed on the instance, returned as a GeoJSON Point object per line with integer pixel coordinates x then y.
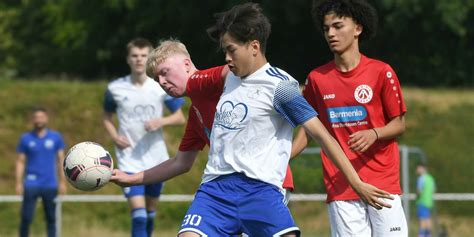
{"type": "Point", "coordinates": [425, 187]}
{"type": "Point", "coordinates": [204, 91]}
{"type": "Point", "coordinates": [38, 170]}
{"type": "Point", "coordinates": [360, 102]}
{"type": "Point", "coordinates": [251, 134]}
{"type": "Point", "coordinates": [139, 103]}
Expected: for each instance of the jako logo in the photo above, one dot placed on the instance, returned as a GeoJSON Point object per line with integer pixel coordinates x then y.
{"type": "Point", "coordinates": [392, 229]}
{"type": "Point", "coordinates": [346, 114]}
{"type": "Point", "coordinates": [329, 96]}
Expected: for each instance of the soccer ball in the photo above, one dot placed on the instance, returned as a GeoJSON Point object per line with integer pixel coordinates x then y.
{"type": "Point", "coordinates": [88, 166]}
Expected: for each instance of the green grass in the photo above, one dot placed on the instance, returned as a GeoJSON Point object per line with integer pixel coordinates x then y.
{"type": "Point", "coordinates": [439, 121]}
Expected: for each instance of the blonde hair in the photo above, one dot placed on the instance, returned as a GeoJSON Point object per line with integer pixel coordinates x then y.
{"type": "Point", "coordinates": [165, 49]}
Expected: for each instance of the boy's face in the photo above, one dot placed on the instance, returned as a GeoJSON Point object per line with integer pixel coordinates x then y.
{"type": "Point", "coordinates": [172, 75]}
{"type": "Point", "coordinates": [136, 59]}
{"type": "Point", "coordinates": [240, 57]}
{"type": "Point", "coordinates": [39, 119]}
{"type": "Point", "coordinates": [340, 32]}
{"type": "Point", "coordinates": [420, 169]}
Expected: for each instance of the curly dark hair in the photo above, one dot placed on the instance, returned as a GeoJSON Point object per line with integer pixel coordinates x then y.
{"type": "Point", "coordinates": [245, 22]}
{"type": "Point", "coordinates": [359, 10]}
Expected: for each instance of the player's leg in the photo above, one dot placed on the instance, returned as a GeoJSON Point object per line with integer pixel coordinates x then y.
{"type": "Point", "coordinates": [262, 210]}
{"type": "Point", "coordinates": [423, 214]}
{"type": "Point", "coordinates": [136, 200]}
{"type": "Point", "coordinates": [388, 222]}
{"type": "Point", "coordinates": [28, 207]}
{"type": "Point", "coordinates": [152, 193]}
{"type": "Point", "coordinates": [48, 196]}
{"type": "Point", "coordinates": [349, 218]}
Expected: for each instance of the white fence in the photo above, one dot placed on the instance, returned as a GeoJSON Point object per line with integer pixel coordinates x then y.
{"type": "Point", "coordinates": [188, 198]}
{"type": "Point", "coordinates": [405, 152]}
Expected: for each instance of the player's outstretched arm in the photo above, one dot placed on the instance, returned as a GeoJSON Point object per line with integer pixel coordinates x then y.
{"type": "Point", "coordinates": [299, 143]}
{"type": "Point", "coordinates": [366, 192]}
{"type": "Point", "coordinates": [181, 163]}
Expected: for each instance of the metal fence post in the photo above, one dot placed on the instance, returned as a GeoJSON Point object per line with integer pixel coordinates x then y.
{"type": "Point", "coordinates": [406, 183]}
{"type": "Point", "coordinates": [59, 207]}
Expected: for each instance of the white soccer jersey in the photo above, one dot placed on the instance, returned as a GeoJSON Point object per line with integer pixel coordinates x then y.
{"type": "Point", "coordinates": [253, 125]}
{"type": "Point", "coordinates": [135, 106]}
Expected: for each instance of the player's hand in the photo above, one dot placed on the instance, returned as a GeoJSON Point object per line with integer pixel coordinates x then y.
{"type": "Point", "coordinates": [19, 189]}
{"type": "Point", "coordinates": [153, 125]}
{"type": "Point", "coordinates": [121, 178]}
{"type": "Point", "coordinates": [122, 142]}
{"type": "Point", "coordinates": [62, 188]}
{"type": "Point", "coordinates": [373, 196]}
{"type": "Point", "coordinates": [361, 140]}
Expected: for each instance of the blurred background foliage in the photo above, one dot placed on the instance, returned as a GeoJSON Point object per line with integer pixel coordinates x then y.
{"type": "Point", "coordinates": [428, 43]}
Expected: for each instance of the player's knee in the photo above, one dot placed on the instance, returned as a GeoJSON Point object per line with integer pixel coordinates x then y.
{"type": "Point", "coordinates": [291, 234]}
{"type": "Point", "coordinates": [188, 234]}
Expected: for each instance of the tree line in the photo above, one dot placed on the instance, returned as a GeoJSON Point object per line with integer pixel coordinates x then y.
{"type": "Point", "coordinates": [428, 43]}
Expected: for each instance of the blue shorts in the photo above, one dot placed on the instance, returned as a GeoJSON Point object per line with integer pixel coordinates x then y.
{"type": "Point", "coordinates": [234, 204]}
{"type": "Point", "coordinates": [423, 212]}
{"type": "Point", "coordinates": [150, 190]}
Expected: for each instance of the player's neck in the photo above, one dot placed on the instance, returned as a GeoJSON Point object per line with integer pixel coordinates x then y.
{"type": "Point", "coordinates": [348, 60]}
{"type": "Point", "coordinates": [192, 70]}
{"type": "Point", "coordinates": [259, 62]}
{"type": "Point", "coordinates": [40, 132]}
{"type": "Point", "coordinates": [138, 79]}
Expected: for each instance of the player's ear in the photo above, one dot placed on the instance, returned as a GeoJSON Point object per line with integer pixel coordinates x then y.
{"type": "Point", "coordinates": [358, 30]}
{"type": "Point", "coordinates": [255, 45]}
{"type": "Point", "coordinates": [187, 64]}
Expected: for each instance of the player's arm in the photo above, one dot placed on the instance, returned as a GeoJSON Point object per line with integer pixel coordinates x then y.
{"type": "Point", "coordinates": [175, 118]}
{"type": "Point", "coordinates": [181, 163]}
{"type": "Point", "coordinates": [299, 143]}
{"type": "Point", "coordinates": [362, 140]}
{"type": "Point", "coordinates": [367, 192]}
{"type": "Point", "coordinates": [61, 176]}
{"type": "Point", "coordinates": [119, 140]}
{"type": "Point", "coordinates": [20, 172]}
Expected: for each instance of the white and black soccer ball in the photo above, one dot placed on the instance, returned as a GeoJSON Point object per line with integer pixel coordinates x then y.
{"type": "Point", "coordinates": [88, 166]}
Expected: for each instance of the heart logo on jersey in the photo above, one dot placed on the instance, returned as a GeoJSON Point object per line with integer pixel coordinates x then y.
{"type": "Point", "coordinates": [231, 115]}
{"type": "Point", "coordinates": [144, 112]}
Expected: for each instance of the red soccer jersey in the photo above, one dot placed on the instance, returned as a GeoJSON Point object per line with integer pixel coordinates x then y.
{"type": "Point", "coordinates": [204, 88]}
{"type": "Point", "coordinates": [368, 96]}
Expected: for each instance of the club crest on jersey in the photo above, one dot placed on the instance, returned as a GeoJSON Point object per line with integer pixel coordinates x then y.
{"type": "Point", "coordinates": [363, 94]}
{"type": "Point", "coordinates": [231, 115]}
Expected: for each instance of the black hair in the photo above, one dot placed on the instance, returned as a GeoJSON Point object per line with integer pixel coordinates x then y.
{"type": "Point", "coordinates": [245, 22]}
{"type": "Point", "coordinates": [360, 11]}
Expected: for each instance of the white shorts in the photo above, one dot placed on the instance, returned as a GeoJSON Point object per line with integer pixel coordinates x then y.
{"type": "Point", "coordinates": [358, 219]}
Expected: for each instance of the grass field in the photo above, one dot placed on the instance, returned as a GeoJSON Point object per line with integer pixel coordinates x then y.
{"type": "Point", "coordinates": [439, 121]}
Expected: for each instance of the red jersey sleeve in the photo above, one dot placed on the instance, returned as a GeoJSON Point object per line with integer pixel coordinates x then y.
{"type": "Point", "coordinates": [392, 97]}
{"type": "Point", "coordinates": [203, 82]}
{"type": "Point", "coordinates": [308, 91]}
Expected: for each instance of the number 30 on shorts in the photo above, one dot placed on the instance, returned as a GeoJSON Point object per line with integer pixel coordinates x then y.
{"type": "Point", "coordinates": [193, 220]}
